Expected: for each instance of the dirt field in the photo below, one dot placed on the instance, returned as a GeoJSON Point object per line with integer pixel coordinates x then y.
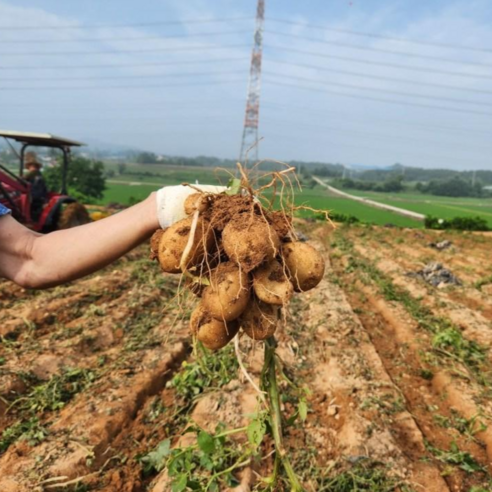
{"type": "Point", "coordinates": [397, 375]}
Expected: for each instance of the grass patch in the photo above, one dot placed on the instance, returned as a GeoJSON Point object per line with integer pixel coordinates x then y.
{"type": "Point", "coordinates": [484, 281]}
{"type": "Point", "coordinates": [461, 459]}
{"type": "Point", "coordinates": [387, 404]}
{"type": "Point", "coordinates": [367, 475]}
{"type": "Point", "coordinates": [210, 370]}
{"type": "Point", "coordinates": [28, 430]}
{"type": "Point", "coordinates": [139, 331]}
{"type": "Point", "coordinates": [48, 396]}
{"type": "Point", "coordinates": [467, 427]}
{"type": "Point", "coordinates": [56, 392]}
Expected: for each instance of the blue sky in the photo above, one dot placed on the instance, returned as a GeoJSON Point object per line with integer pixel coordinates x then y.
{"type": "Point", "coordinates": [328, 94]}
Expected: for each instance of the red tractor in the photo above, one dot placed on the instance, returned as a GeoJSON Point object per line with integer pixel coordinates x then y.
{"type": "Point", "coordinates": [42, 211]}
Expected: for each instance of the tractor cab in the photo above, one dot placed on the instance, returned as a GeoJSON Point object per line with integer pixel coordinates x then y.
{"type": "Point", "coordinates": [53, 209]}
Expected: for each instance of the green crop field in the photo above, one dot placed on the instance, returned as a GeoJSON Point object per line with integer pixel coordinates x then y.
{"type": "Point", "coordinates": [166, 175]}
{"type": "Point", "coordinates": [438, 206]}
{"type": "Point", "coordinates": [127, 188]}
{"type": "Point", "coordinates": [137, 181]}
{"type": "Point", "coordinates": [320, 198]}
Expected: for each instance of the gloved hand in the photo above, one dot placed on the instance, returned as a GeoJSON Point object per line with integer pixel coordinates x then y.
{"type": "Point", "coordinates": [170, 201]}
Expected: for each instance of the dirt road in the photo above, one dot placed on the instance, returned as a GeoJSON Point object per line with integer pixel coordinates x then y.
{"type": "Point", "coordinates": [371, 203]}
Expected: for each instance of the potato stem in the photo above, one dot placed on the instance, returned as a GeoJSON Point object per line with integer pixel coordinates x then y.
{"type": "Point", "coordinates": [270, 382]}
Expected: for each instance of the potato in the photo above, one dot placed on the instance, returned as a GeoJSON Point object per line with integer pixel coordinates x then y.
{"type": "Point", "coordinates": [196, 201]}
{"type": "Point", "coordinates": [249, 240]}
{"type": "Point", "coordinates": [154, 243]}
{"type": "Point", "coordinates": [228, 293]}
{"type": "Point", "coordinates": [174, 240]}
{"type": "Point", "coordinates": [304, 264]}
{"type": "Point", "coordinates": [214, 334]}
{"type": "Point", "coordinates": [259, 320]}
{"type": "Point", "coordinates": [271, 284]}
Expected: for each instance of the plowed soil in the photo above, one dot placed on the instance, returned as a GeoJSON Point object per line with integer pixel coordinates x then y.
{"type": "Point", "coordinates": [398, 373]}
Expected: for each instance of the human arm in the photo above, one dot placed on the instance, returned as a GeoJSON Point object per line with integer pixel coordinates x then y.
{"type": "Point", "coordinates": [39, 261]}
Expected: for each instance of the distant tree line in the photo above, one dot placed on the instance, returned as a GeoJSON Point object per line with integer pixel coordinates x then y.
{"type": "Point", "coordinates": [457, 223]}
{"type": "Point", "coordinates": [453, 187]}
{"type": "Point", "coordinates": [391, 184]}
{"type": "Point", "coordinates": [414, 174]}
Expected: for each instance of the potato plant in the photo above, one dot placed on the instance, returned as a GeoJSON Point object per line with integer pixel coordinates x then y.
{"type": "Point", "coordinates": [243, 260]}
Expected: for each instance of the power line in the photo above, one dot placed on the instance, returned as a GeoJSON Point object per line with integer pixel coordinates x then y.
{"type": "Point", "coordinates": [161, 118]}
{"type": "Point", "coordinates": [231, 72]}
{"type": "Point", "coordinates": [380, 36]}
{"type": "Point", "coordinates": [99, 87]}
{"type": "Point", "coordinates": [116, 52]}
{"type": "Point", "coordinates": [292, 50]}
{"type": "Point", "coordinates": [334, 143]}
{"type": "Point", "coordinates": [125, 38]}
{"type": "Point", "coordinates": [377, 99]}
{"type": "Point", "coordinates": [378, 50]}
{"type": "Point", "coordinates": [300, 65]}
{"type": "Point", "coordinates": [120, 65]}
{"type": "Point", "coordinates": [376, 77]}
{"type": "Point", "coordinates": [440, 128]}
{"type": "Point", "coordinates": [385, 91]}
{"type": "Point", "coordinates": [382, 64]}
{"type": "Point", "coordinates": [196, 104]}
{"type": "Point", "coordinates": [122, 77]}
{"type": "Point", "coordinates": [138, 24]}
{"type": "Point", "coordinates": [387, 136]}
{"type": "Point", "coordinates": [156, 104]}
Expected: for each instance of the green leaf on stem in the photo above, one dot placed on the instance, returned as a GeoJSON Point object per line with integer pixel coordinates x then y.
{"type": "Point", "coordinates": [302, 409]}
{"type": "Point", "coordinates": [206, 442]}
{"type": "Point", "coordinates": [256, 431]}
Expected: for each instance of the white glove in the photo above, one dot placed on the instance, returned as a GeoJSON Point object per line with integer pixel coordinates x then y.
{"type": "Point", "coordinates": [170, 201]}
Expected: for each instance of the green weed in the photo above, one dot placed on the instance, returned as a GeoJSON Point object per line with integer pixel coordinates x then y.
{"type": "Point", "coordinates": [467, 427]}
{"type": "Point", "coordinates": [387, 404]}
{"type": "Point", "coordinates": [30, 430]}
{"type": "Point", "coordinates": [56, 392]}
{"type": "Point", "coordinates": [364, 476]}
{"type": "Point", "coordinates": [484, 281]}
{"type": "Point", "coordinates": [210, 370]}
{"type": "Point", "coordinates": [207, 465]}
{"type": "Point", "coordinates": [451, 342]}
{"type": "Point", "coordinates": [461, 459]}
{"type": "Point", "coordinates": [139, 331]}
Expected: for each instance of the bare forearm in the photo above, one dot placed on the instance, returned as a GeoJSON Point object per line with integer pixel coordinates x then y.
{"type": "Point", "coordinates": [69, 254]}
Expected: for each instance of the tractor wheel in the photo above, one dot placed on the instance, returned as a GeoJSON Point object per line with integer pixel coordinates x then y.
{"type": "Point", "coordinates": [73, 215]}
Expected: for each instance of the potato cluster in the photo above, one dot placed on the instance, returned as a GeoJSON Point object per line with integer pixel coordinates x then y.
{"type": "Point", "coordinates": [241, 259]}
